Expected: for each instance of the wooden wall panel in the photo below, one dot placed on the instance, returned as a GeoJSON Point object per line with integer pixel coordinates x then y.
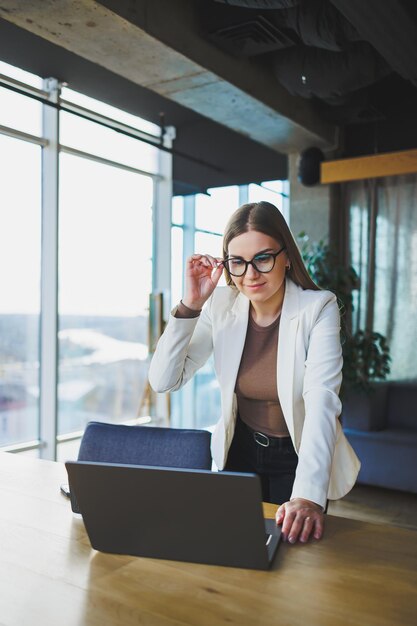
{"type": "Point", "coordinates": [375, 166]}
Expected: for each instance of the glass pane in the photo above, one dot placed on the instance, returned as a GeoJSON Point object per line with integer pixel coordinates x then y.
{"type": "Point", "coordinates": [207, 394]}
{"type": "Point", "coordinates": [20, 112]}
{"type": "Point", "coordinates": [270, 191]}
{"type": "Point", "coordinates": [213, 211]}
{"type": "Point", "coordinates": [104, 284]}
{"type": "Point", "coordinates": [209, 244]}
{"type": "Point", "coordinates": [176, 410]}
{"type": "Point", "coordinates": [110, 111]}
{"type": "Point", "coordinates": [76, 132]}
{"type": "Point", "coordinates": [20, 250]}
{"type": "Point", "coordinates": [68, 450]}
{"type": "Point", "coordinates": [178, 210]}
{"type": "Point", "coordinates": [21, 75]}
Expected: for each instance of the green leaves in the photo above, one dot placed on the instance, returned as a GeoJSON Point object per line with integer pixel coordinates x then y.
{"type": "Point", "coordinates": [366, 354]}
{"type": "Point", "coordinates": [324, 268]}
{"type": "Point", "coordinates": [366, 359]}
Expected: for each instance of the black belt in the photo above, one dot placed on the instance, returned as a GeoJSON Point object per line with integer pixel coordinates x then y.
{"type": "Point", "coordinates": [266, 440]}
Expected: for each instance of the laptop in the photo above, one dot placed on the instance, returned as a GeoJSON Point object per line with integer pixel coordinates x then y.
{"type": "Point", "coordinates": [177, 514]}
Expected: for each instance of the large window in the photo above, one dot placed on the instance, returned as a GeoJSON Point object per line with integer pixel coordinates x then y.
{"type": "Point", "coordinates": [105, 281]}
{"type": "Point", "coordinates": [105, 270]}
{"type": "Point", "coordinates": [20, 248]}
{"type": "Point", "coordinates": [85, 237]}
{"type": "Point", "coordinates": [75, 298]}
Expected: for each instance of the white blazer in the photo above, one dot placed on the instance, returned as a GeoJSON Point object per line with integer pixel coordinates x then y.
{"type": "Point", "coordinates": [309, 365]}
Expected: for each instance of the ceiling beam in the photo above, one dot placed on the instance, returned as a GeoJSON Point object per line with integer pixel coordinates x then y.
{"type": "Point", "coordinates": [158, 44]}
{"type": "Point", "coordinates": [375, 166]}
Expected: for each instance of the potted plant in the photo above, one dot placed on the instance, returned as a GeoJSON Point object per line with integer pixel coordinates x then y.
{"type": "Point", "coordinates": [366, 355]}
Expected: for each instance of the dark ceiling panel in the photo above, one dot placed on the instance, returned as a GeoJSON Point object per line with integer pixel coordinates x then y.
{"type": "Point", "coordinates": [390, 27]}
{"type": "Point", "coordinates": [355, 61]}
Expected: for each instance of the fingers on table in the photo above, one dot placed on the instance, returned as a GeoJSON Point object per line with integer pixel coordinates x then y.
{"type": "Point", "coordinates": [306, 528]}
{"type": "Point", "coordinates": [300, 527]}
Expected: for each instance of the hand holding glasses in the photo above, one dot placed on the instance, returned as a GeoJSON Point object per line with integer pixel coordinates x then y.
{"type": "Point", "coordinates": [203, 273]}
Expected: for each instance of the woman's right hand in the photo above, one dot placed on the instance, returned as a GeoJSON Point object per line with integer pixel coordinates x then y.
{"type": "Point", "coordinates": [202, 274]}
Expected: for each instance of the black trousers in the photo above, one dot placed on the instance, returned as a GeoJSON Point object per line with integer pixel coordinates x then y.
{"type": "Point", "coordinates": [275, 462]}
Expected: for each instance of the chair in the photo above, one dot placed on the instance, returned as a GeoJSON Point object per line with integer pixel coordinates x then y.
{"type": "Point", "coordinates": [144, 445]}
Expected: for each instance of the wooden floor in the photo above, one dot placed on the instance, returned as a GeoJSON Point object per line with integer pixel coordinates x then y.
{"type": "Point", "coordinates": [374, 504]}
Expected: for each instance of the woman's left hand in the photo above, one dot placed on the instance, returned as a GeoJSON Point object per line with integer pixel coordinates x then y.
{"type": "Point", "coordinates": [300, 519]}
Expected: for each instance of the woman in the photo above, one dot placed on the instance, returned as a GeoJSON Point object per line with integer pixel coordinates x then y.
{"type": "Point", "coordinates": [278, 360]}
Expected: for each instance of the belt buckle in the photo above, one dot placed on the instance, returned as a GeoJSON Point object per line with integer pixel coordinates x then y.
{"type": "Point", "coordinates": [261, 439]}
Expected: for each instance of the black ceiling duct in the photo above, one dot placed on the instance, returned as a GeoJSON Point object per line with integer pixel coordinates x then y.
{"type": "Point", "coordinates": [312, 72]}
{"type": "Point", "coordinates": [354, 108]}
{"type": "Point", "coordinates": [390, 26]}
{"type": "Point", "coordinates": [309, 166]}
{"type": "Point", "coordinates": [261, 4]}
{"type": "Point", "coordinates": [319, 24]}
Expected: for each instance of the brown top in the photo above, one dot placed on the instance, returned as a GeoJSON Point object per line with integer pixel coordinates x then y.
{"type": "Point", "coordinates": [256, 383]}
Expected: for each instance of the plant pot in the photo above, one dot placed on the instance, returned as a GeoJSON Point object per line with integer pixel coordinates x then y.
{"type": "Point", "coordinates": [365, 411]}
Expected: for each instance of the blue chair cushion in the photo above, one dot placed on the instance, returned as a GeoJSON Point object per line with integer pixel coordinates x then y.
{"type": "Point", "coordinates": [146, 445]}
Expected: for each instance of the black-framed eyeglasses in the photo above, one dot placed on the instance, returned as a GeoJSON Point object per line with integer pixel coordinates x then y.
{"type": "Point", "coordinates": [263, 262]}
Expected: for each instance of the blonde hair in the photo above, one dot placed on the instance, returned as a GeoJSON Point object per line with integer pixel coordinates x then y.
{"type": "Point", "coordinates": [265, 218]}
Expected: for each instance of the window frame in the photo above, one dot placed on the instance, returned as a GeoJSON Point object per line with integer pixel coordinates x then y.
{"type": "Point", "coordinates": [48, 439]}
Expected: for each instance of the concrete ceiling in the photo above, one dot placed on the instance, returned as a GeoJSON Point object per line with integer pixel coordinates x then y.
{"type": "Point", "coordinates": [156, 44]}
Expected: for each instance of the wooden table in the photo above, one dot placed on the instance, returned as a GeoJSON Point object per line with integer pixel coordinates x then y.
{"type": "Point", "coordinates": [359, 573]}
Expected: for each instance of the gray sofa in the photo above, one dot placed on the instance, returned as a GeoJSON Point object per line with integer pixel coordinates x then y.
{"type": "Point", "coordinates": [382, 429]}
